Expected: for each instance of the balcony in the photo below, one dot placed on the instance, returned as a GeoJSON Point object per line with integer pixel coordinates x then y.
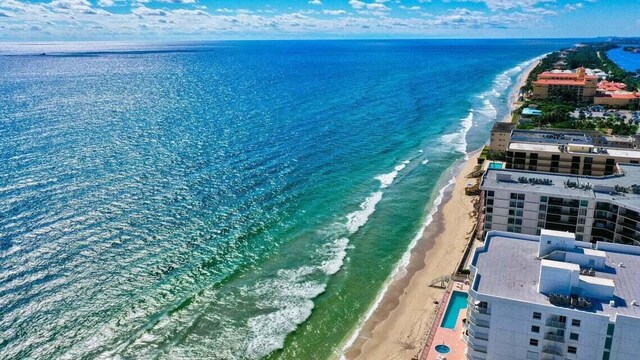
{"type": "Point", "coordinates": [556, 324]}
{"type": "Point", "coordinates": [552, 350]}
{"type": "Point", "coordinates": [481, 320]}
{"type": "Point", "coordinates": [554, 338]}
{"type": "Point", "coordinates": [554, 209]}
{"type": "Point", "coordinates": [551, 357]}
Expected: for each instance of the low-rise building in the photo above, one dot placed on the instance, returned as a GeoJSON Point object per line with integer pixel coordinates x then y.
{"type": "Point", "coordinates": [615, 94]}
{"type": "Point", "coordinates": [595, 208]}
{"type": "Point", "coordinates": [577, 85]}
{"type": "Point", "coordinates": [550, 297]}
{"type": "Point", "coordinates": [571, 158]}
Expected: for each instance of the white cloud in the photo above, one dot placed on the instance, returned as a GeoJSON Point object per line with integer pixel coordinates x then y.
{"type": "Point", "coordinates": [315, 2]}
{"type": "Point", "coordinates": [334, 12]}
{"type": "Point", "coordinates": [177, 1]}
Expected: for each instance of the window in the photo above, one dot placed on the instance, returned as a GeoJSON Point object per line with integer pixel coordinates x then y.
{"type": "Point", "coordinates": [490, 193]}
{"type": "Point", "coordinates": [572, 349]}
{"type": "Point", "coordinates": [535, 328]}
{"type": "Point", "coordinates": [575, 322]}
{"type": "Point", "coordinates": [543, 207]}
{"type": "Point", "coordinates": [489, 201]}
{"type": "Point", "coordinates": [520, 196]}
{"type": "Point", "coordinates": [584, 203]}
{"type": "Point", "coordinates": [541, 225]}
{"type": "Point", "coordinates": [543, 199]}
{"type": "Point", "coordinates": [537, 315]}
{"type": "Point", "coordinates": [582, 212]}
{"type": "Point", "coordinates": [533, 342]}
{"type": "Point", "coordinates": [574, 336]}
{"type": "Point", "coordinates": [489, 218]}
{"type": "Point", "coordinates": [489, 210]}
{"type": "Point", "coordinates": [514, 196]}
{"type": "Point", "coordinates": [541, 216]}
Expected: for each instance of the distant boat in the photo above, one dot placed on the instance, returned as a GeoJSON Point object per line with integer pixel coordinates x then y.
{"type": "Point", "coordinates": [425, 161]}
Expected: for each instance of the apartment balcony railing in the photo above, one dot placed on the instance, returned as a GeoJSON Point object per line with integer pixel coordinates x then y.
{"type": "Point", "coordinates": [556, 324]}
{"type": "Point", "coordinates": [552, 350]}
{"type": "Point", "coordinates": [477, 323]}
{"type": "Point", "coordinates": [478, 335]}
{"type": "Point", "coordinates": [554, 338]}
{"type": "Point", "coordinates": [551, 357]}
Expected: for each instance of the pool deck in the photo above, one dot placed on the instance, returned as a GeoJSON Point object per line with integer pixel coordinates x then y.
{"type": "Point", "coordinates": [450, 337]}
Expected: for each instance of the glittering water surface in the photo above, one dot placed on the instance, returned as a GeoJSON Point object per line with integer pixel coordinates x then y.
{"type": "Point", "coordinates": [203, 200]}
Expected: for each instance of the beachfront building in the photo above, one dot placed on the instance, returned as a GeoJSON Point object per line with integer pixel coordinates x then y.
{"type": "Point", "coordinates": [578, 85]}
{"type": "Point", "coordinates": [595, 208]}
{"type": "Point", "coordinates": [503, 133]}
{"type": "Point", "coordinates": [500, 136]}
{"type": "Point", "coordinates": [550, 297]}
{"type": "Point", "coordinates": [579, 158]}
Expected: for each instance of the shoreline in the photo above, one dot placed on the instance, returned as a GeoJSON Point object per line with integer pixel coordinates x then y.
{"type": "Point", "coordinates": [397, 325]}
{"type": "Point", "coordinates": [521, 81]}
{"type": "Point", "coordinates": [406, 308]}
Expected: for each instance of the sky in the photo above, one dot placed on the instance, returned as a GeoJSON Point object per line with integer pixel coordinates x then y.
{"type": "Point", "coordinates": [86, 20]}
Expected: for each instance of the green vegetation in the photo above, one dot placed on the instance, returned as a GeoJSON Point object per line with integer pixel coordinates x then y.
{"type": "Point", "coordinates": [557, 115]}
{"type": "Point", "coordinates": [617, 127]}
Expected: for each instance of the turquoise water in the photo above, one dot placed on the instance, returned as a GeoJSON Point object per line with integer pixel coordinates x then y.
{"type": "Point", "coordinates": [225, 200]}
{"type": "Point", "coordinates": [457, 302]}
{"type": "Point", "coordinates": [495, 165]}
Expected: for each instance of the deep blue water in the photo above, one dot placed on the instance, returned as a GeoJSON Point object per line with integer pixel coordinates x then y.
{"type": "Point", "coordinates": [202, 200]}
{"type": "Point", "coordinates": [626, 60]}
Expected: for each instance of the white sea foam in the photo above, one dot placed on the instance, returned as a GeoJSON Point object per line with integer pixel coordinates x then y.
{"type": "Point", "coordinates": [459, 139]}
{"type": "Point", "coordinates": [488, 109]}
{"type": "Point", "coordinates": [358, 218]}
{"type": "Point", "coordinates": [291, 293]}
{"type": "Point", "coordinates": [387, 179]}
{"type": "Point", "coordinates": [337, 253]}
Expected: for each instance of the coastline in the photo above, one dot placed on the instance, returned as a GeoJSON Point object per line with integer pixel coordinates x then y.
{"type": "Point", "coordinates": [397, 327]}
{"type": "Point", "coordinates": [513, 96]}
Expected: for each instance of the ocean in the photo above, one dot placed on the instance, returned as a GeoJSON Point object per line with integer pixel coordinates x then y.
{"type": "Point", "coordinates": [225, 200]}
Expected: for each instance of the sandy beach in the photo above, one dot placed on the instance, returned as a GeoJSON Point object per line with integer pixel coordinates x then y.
{"type": "Point", "coordinates": [398, 327]}
{"type": "Point", "coordinates": [513, 96]}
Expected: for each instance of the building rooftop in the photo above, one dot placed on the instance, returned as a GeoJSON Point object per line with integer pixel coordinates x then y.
{"type": "Point", "coordinates": [515, 146]}
{"type": "Point", "coordinates": [599, 187]}
{"type": "Point", "coordinates": [508, 266]}
{"type": "Point", "coordinates": [503, 127]}
{"type": "Point", "coordinates": [554, 136]}
{"type": "Point", "coordinates": [572, 148]}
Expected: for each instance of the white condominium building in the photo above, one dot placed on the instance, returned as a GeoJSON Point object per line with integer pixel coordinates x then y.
{"type": "Point", "coordinates": [605, 208]}
{"type": "Point", "coordinates": [550, 297]}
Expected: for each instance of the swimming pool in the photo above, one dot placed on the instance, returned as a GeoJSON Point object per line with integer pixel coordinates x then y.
{"type": "Point", "coordinates": [457, 302]}
{"type": "Point", "coordinates": [495, 165]}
